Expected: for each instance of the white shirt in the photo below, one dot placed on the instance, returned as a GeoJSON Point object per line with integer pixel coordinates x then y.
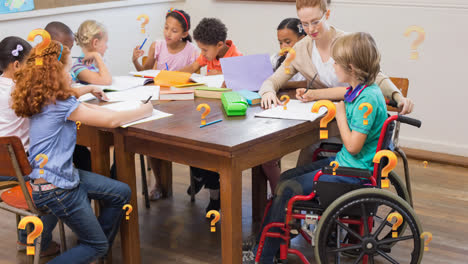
{"type": "Point", "coordinates": [296, 78]}
{"type": "Point", "coordinates": [10, 124]}
{"type": "Point", "coordinates": [325, 70]}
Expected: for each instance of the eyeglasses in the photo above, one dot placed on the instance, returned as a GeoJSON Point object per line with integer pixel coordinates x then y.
{"type": "Point", "coordinates": [314, 23]}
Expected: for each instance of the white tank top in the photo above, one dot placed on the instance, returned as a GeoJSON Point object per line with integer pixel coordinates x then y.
{"type": "Point", "coordinates": [325, 70]}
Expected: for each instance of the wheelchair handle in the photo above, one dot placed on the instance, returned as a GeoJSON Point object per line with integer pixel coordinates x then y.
{"type": "Point", "coordinates": [409, 121]}
{"type": "Point", "coordinates": [393, 103]}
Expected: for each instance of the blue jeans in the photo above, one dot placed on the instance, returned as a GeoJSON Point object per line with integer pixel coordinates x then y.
{"type": "Point", "coordinates": [74, 209]}
{"type": "Point", "coordinates": [49, 222]}
{"type": "Point", "coordinates": [297, 181]}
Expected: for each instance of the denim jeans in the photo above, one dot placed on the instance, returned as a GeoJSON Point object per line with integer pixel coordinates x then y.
{"type": "Point", "coordinates": [297, 181]}
{"type": "Point", "coordinates": [74, 209]}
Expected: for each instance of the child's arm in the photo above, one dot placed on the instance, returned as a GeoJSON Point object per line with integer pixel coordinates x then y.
{"type": "Point", "coordinates": [352, 140]}
{"type": "Point", "coordinates": [103, 77]}
{"type": "Point", "coordinates": [96, 91]}
{"type": "Point", "coordinates": [191, 68]}
{"type": "Point", "coordinates": [335, 94]}
{"type": "Point", "coordinates": [102, 117]}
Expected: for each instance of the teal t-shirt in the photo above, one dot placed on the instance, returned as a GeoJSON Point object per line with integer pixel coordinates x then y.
{"type": "Point", "coordinates": [363, 160]}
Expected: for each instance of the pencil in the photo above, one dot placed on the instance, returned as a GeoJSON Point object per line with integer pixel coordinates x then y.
{"type": "Point", "coordinates": [144, 41]}
{"type": "Point", "coordinates": [310, 85]}
{"type": "Point", "coordinates": [148, 99]}
{"type": "Point", "coordinates": [214, 122]}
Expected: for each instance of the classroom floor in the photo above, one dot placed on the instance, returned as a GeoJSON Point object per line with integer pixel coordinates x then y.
{"type": "Point", "coordinates": [176, 230]}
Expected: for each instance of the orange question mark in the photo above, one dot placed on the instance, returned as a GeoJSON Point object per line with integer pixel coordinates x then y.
{"type": "Point", "coordinates": [392, 162]}
{"type": "Point", "coordinates": [215, 220]}
{"type": "Point", "coordinates": [367, 113]}
{"type": "Point", "coordinates": [127, 213]}
{"type": "Point", "coordinates": [397, 224]}
{"type": "Point", "coordinates": [38, 227]}
{"type": "Point", "coordinates": [335, 167]}
{"type": "Point", "coordinates": [327, 118]}
{"type": "Point", "coordinates": [425, 164]}
{"type": "Point", "coordinates": [143, 25]}
{"type": "Point", "coordinates": [44, 161]}
{"type": "Point", "coordinates": [78, 124]}
{"type": "Point", "coordinates": [418, 41]}
{"type": "Point", "coordinates": [285, 102]}
{"type": "Point", "coordinates": [46, 39]}
{"type": "Point", "coordinates": [289, 59]}
{"type": "Point", "coordinates": [426, 241]}
{"type": "Point", "coordinates": [207, 111]}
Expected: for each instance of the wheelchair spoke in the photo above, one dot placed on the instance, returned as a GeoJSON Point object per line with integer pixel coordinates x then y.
{"type": "Point", "coordinates": [387, 257]}
{"type": "Point", "coordinates": [382, 225]}
{"type": "Point", "coordinates": [345, 249]}
{"type": "Point", "coordinates": [371, 259]}
{"type": "Point", "coordinates": [392, 240]}
{"type": "Point", "coordinates": [364, 216]}
{"type": "Point", "coordinates": [359, 258]}
{"type": "Point", "coordinates": [350, 231]}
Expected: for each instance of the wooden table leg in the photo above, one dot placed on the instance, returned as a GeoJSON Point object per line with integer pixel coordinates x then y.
{"type": "Point", "coordinates": [259, 193]}
{"type": "Point", "coordinates": [231, 212]}
{"type": "Point", "coordinates": [166, 177]}
{"type": "Point", "coordinates": [129, 229]}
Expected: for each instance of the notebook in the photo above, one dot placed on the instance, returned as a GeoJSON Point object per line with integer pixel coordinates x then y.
{"type": "Point", "coordinates": [210, 92]}
{"type": "Point", "coordinates": [167, 94]}
{"type": "Point", "coordinates": [246, 72]}
{"type": "Point", "coordinates": [121, 83]}
{"type": "Point", "coordinates": [172, 78]}
{"type": "Point", "coordinates": [145, 74]}
{"type": "Point", "coordinates": [131, 105]}
{"type": "Point", "coordinates": [209, 80]}
{"type": "Point", "coordinates": [297, 110]}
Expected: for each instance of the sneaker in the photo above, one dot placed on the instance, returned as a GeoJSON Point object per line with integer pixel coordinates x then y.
{"type": "Point", "coordinates": [155, 194]}
{"type": "Point", "coordinates": [248, 257]}
{"type": "Point", "coordinates": [199, 183]}
{"type": "Point", "coordinates": [249, 243]}
{"type": "Point", "coordinates": [214, 205]}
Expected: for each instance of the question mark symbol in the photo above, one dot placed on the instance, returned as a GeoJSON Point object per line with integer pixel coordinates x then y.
{"type": "Point", "coordinates": [289, 58]}
{"type": "Point", "coordinates": [127, 213]}
{"type": "Point", "coordinates": [285, 97]}
{"type": "Point", "coordinates": [143, 25]}
{"type": "Point", "coordinates": [207, 111]}
{"type": "Point", "coordinates": [43, 163]}
{"type": "Point", "coordinates": [335, 167]}
{"type": "Point", "coordinates": [426, 241]}
{"type": "Point", "coordinates": [46, 39]}
{"type": "Point", "coordinates": [397, 224]}
{"type": "Point", "coordinates": [425, 164]}
{"type": "Point", "coordinates": [78, 124]}
{"type": "Point", "coordinates": [331, 108]}
{"type": "Point", "coordinates": [418, 41]}
{"type": "Point", "coordinates": [215, 220]}
{"type": "Point", "coordinates": [367, 113]}
{"type": "Point", "coordinates": [38, 227]}
{"type": "Point", "coordinates": [392, 162]}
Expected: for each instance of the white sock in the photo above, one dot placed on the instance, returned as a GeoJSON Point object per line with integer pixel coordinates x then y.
{"type": "Point", "coordinates": [214, 194]}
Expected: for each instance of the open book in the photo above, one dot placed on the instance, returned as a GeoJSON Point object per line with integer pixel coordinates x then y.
{"type": "Point", "coordinates": [132, 105]}
{"type": "Point", "coordinates": [180, 78]}
{"type": "Point", "coordinates": [145, 74]}
{"type": "Point", "coordinates": [119, 83]}
{"type": "Point", "coordinates": [296, 110]}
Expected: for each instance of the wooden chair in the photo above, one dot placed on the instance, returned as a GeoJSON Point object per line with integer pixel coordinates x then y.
{"type": "Point", "coordinates": [15, 164]}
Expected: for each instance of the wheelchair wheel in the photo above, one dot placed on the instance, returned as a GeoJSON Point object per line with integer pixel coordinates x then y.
{"type": "Point", "coordinates": [373, 246]}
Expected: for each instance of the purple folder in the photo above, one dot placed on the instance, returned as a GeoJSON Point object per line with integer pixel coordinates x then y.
{"type": "Point", "coordinates": [246, 72]}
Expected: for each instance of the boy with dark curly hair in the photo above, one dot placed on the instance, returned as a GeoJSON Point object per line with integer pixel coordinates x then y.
{"type": "Point", "coordinates": [210, 35]}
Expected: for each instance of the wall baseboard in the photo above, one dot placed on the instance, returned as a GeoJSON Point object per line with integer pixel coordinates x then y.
{"type": "Point", "coordinates": [436, 157]}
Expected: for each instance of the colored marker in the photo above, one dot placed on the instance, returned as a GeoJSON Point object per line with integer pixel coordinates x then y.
{"type": "Point", "coordinates": [167, 67]}
{"type": "Point", "coordinates": [144, 41]}
{"type": "Point", "coordinates": [214, 122]}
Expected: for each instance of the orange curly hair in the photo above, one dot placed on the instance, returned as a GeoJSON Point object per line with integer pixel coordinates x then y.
{"type": "Point", "coordinates": [41, 85]}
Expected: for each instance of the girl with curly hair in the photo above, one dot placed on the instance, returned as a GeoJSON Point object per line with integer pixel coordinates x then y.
{"type": "Point", "coordinates": [43, 94]}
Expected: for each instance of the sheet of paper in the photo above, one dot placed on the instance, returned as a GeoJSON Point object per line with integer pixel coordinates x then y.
{"type": "Point", "coordinates": [86, 97]}
{"type": "Point", "coordinates": [246, 72]}
{"type": "Point", "coordinates": [297, 110]}
{"type": "Point", "coordinates": [134, 94]}
{"type": "Point", "coordinates": [147, 73]}
{"type": "Point", "coordinates": [209, 80]}
{"type": "Point", "coordinates": [131, 105]}
{"type": "Point", "coordinates": [121, 83]}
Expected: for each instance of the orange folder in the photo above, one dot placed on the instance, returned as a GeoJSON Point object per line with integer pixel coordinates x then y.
{"type": "Point", "coordinates": [172, 78]}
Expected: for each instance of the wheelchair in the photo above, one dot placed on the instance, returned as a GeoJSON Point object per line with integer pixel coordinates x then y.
{"type": "Point", "coordinates": [349, 223]}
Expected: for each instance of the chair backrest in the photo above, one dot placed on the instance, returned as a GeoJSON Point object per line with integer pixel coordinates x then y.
{"type": "Point", "coordinates": [14, 163]}
{"type": "Point", "coordinates": [402, 84]}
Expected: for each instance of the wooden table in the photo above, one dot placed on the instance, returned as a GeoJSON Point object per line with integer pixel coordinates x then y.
{"type": "Point", "coordinates": [228, 147]}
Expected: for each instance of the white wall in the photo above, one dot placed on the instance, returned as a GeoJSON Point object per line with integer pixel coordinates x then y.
{"type": "Point", "coordinates": [436, 83]}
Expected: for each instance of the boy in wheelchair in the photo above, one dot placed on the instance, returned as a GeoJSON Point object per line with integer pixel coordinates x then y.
{"type": "Point", "coordinates": [357, 62]}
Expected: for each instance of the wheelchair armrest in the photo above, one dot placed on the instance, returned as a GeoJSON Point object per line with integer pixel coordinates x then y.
{"type": "Point", "coordinates": [331, 146]}
{"type": "Point", "coordinates": [348, 171]}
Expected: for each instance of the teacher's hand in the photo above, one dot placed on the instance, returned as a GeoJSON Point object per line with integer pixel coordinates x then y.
{"type": "Point", "coordinates": [405, 105]}
{"type": "Point", "coordinates": [269, 99]}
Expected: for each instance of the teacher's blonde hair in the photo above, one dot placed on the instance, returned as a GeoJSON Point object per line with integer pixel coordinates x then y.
{"type": "Point", "coordinates": [360, 51]}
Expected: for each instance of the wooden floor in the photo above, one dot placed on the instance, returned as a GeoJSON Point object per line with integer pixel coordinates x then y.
{"type": "Point", "coordinates": [176, 230]}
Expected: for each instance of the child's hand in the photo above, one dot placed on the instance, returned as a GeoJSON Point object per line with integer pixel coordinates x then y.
{"type": "Point", "coordinates": [147, 108]}
{"type": "Point", "coordinates": [214, 72]}
{"type": "Point", "coordinates": [309, 96]}
{"type": "Point", "coordinates": [99, 93]}
{"type": "Point", "coordinates": [137, 53]}
{"type": "Point", "coordinates": [340, 110]}
{"type": "Point", "coordinates": [90, 57]}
